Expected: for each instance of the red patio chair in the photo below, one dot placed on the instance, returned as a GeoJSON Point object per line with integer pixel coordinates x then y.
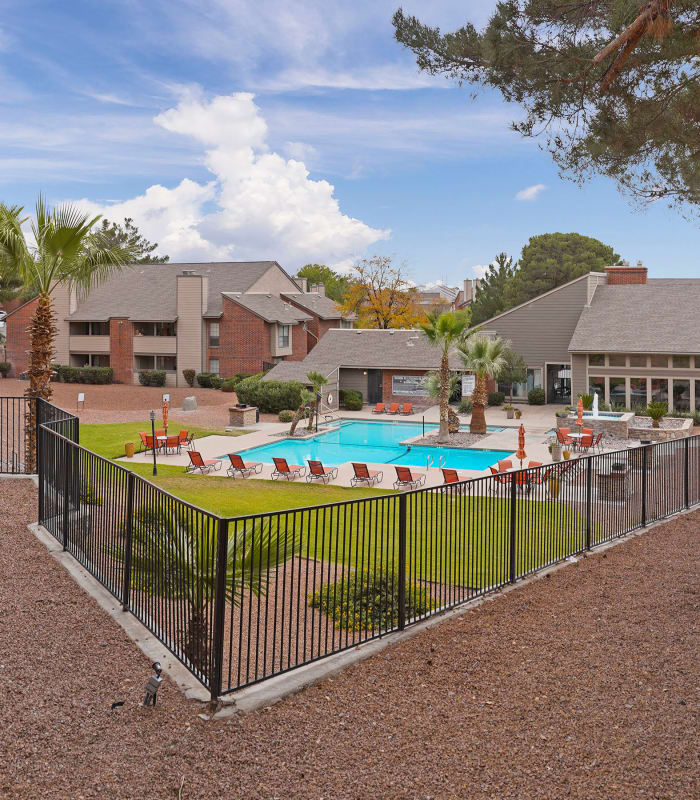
{"type": "Point", "coordinates": [379, 409]}
{"type": "Point", "coordinates": [317, 472]}
{"type": "Point", "coordinates": [597, 444]}
{"type": "Point", "coordinates": [499, 479]}
{"type": "Point", "coordinates": [504, 465]}
{"type": "Point", "coordinates": [586, 441]}
{"type": "Point", "coordinates": [144, 442]}
{"type": "Point", "coordinates": [287, 471]}
{"type": "Point", "coordinates": [452, 476]}
{"type": "Point", "coordinates": [365, 475]}
{"type": "Point", "coordinates": [538, 476]}
{"type": "Point", "coordinates": [405, 479]}
{"type": "Point", "coordinates": [563, 436]}
{"type": "Point", "coordinates": [393, 408]}
{"type": "Point", "coordinates": [198, 463]}
{"type": "Point", "coordinates": [172, 444]}
{"type": "Point", "coordinates": [406, 408]}
{"type": "Point", "coordinates": [245, 468]}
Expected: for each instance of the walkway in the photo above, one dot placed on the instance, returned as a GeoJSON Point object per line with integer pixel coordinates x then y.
{"type": "Point", "coordinates": [580, 686]}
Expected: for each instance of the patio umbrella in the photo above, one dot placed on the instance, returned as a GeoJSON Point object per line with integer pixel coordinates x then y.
{"type": "Point", "coordinates": [166, 406]}
{"type": "Point", "coordinates": [521, 454]}
{"type": "Point", "coordinates": [579, 413]}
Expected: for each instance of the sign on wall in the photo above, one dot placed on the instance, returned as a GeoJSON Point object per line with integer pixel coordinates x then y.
{"type": "Point", "coordinates": [468, 384]}
{"type": "Point", "coordinates": [409, 385]}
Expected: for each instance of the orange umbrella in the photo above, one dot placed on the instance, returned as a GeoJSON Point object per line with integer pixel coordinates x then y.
{"type": "Point", "coordinates": [166, 406]}
{"type": "Point", "coordinates": [521, 454]}
{"type": "Point", "coordinates": [579, 413]}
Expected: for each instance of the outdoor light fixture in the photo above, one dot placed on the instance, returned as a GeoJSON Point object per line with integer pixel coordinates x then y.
{"type": "Point", "coordinates": [153, 441]}
{"type": "Point", "coordinates": [153, 684]}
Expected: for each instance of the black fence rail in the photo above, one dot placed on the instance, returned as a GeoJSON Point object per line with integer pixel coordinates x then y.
{"type": "Point", "coordinates": [240, 600]}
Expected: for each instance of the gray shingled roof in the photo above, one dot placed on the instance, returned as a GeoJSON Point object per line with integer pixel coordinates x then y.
{"type": "Point", "coordinates": [369, 349]}
{"type": "Point", "coordinates": [661, 316]}
{"type": "Point", "coordinates": [296, 371]}
{"type": "Point", "coordinates": [269, 306]}
{"type": "Point", "coordinates": [319, 304]}
{"type": "Point", "coordinates": [147, 292]}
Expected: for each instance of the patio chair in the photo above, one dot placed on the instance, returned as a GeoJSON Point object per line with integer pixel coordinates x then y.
{"type": "Point", "coordinates": [364, 475]}
{"type": "Point", "coordinates": [317, 472]}
{"type": "Point", "coordinates": [245, 468]}
{"type": "Point", "coordinates": [172, 444]}
{"type": "Point", "coordinates": [563, 436]}
{"type": "Point", "coordinates": [160, 432]}
{"type": "Point", "coordinates": [393, 408]}
{"type": "Point", "coordinates": [405, 479]}
{"type": "Point", "coordinates": [287, 471]}
{"type": "Point", "coordinates": [379, 409]}
{"type": "Point", "coordinates": [186, 439]}
{"type": "Point", "coordinates": [144, 442]}
{"type": "Point", "coordinates": [406, 408]}
{"type": "Point", "coordinates": [538, 476]}
{"type": "Point", "coordinates": [586, 441]}
{"type": "Point", "coordinates": [198, 463]}
{"type": "Point", "coordinates": [499, 479]}
{"type": "Point", "coordinates": [568, 470]}
{"type": "Point", "coordinates": [523, 480]}
{"type": "Point", "coordinates": [597, 444]}
{"type": "Point", "coordinates": [452, 476]}
{"type": "Point", "coordinates": [504, 465]}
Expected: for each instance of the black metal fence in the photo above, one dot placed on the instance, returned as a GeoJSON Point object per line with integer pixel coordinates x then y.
{"type": "Point", "coordinates": [240, 600]}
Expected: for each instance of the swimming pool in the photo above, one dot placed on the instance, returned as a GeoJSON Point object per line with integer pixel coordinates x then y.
{"type": "Point", "coordinates": [376, 443]}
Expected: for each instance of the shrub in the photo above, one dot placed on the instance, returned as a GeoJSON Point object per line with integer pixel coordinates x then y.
{"type": "Point", "coordinates": [229, 385]}
{"type": "Point", "coordinates": [188, 375]}
{"type": "Point", "coordinates": [96, 375]}
{"type": "Point", "coordinates": [657, 411]}
{"type": "Point", "coordinates": [694, 415]}
{"type": "Point", "coordinates": [152, 377]}
{"type": "Point", "coordinates": [270, 397]}
{"type": "Point", "coordinates": [5, 368]}
{"type": "Point", "coordinates": [285, 415]}
{"type": "Point", "coordinates": [535, 397]}
{"type": "Point", "coordinates": [496, 398]}
{"type": "Point", "coordinates": [465, 406]}
{"type": "Point", "coordinates": [369, 601]}
{"type": "Point", "coordinates": [353, 400]}
{"type": "Point", "coordinates": [204, 379]}
{"type": "Point", "coordinates": [586, 401]}
{"type": "Point", "coordinates": [216, 382]}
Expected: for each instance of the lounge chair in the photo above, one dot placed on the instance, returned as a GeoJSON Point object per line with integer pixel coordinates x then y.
{"type": "Point", "coordinates": [144, 442]}
{"type": "Point", "coordinates": [504, 465]}
{"type": "Point", "coordinates": [287, 471]}
{"type": "Point", "coordinates": [393, 408]}
{"type": "Point", "coordinates": [198, 463]}
{"type": "Point", "coordinates": [367, 476]}
{"type": "Point", "coordinates": [406, 408]}
{"type": "Point", "coordinates": [405, 479]}
{"type": "Point", "coordinates": [186, 439]}
{"type": "Point", "coordinates": [317, 472]}
{"type": "Point", "coordinates": [452, 476]}
{"type": "Point", "coordinates": [172, 444]}
{"type": "Point", "coordinates": [245, 468]}
{"type": "Point", "coordinates": [379, 409]}
{"type": "Point", "coordinates": [499, 479]}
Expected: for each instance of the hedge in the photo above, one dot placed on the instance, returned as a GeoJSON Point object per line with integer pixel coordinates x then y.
{"type": "Point", "coordinates": [204, 379]}
{"type": "Point", "coordinates": [5, 368]}
{"type": "Point", "coordinates": [152, 377]}
{"type": "Point", "coordinates": [496, 398]}
{"type": "Point", "coordinates": [351, 399]}
{"type": "Point", "coordinates": [535, 397]}
{"type": "Point", "coordinates": [285, 415]}
{"type": "Point", "coordinates": [270, 397]}
{"type": "Point", "coordinates": [95, 375]}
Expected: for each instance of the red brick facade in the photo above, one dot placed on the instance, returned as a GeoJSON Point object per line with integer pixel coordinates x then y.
{"type": "Point", "coordinates": [17, 333]}
{"type": "Point", "coordinates": [626, 276]}
{"type": "Point", "coordinates": [388, 397]}
{"type": "Point", "coordinates": [121, 346]}
{"type": "Point", "coordinates": [300, 346]}
{"type": "Point", "coordinates": [315, 327]}
{"type": "Point", "coordinates": [244, 341]}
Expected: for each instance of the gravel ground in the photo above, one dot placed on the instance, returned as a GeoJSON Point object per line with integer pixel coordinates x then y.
{"type": "Point", "coordinates": [579, 686]}
{"type": "Point", "coordinates": [460, 439]}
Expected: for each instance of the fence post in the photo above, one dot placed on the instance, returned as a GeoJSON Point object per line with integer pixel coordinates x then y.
{"type": "Point", "coordinates": [403, 499]}
{"type": "Point", "coordinates": [513, 495]}
{"type": "Point", "coordinates": [686, 472]}
{"type": "Point", "coordinates": [217, 658]}
{"type": "Point", "coordinates": [589, 493]}
{"type": "Point", "coordinates": [39, 461]}
{"type": "Point", "coordinates": [645, 450]}
{"type": "Point", "coordinates": [126, 585]}
{"type": "Point", "coordinates": [67, 472]}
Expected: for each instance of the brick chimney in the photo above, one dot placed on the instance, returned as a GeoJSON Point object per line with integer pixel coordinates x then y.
{"type": "Point", "coordinates": [626, 276]}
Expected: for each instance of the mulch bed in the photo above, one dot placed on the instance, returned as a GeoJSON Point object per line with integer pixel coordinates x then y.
{"type": "Point", "coordinates": [583, 685]}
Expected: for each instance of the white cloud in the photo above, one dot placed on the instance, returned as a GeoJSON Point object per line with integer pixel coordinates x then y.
{"type": "Point", "coordinates": [531, 192]}
{"type": "Point", "coordinates": [259, 205]}
{"type": "Point", "coordinates": [480, 270]}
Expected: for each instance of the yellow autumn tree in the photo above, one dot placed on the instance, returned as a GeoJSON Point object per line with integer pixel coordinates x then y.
{"type": "Point", "coordinates": [381, 296]}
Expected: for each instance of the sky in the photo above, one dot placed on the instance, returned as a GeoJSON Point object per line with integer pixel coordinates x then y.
{"type": "Point", "coordinates": [288, 130]}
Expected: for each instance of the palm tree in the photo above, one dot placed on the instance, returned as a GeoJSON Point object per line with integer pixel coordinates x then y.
{"type": "Point", "coordinates": [317, 383]}
{"type": "Point", "coordinates": [444, 330]}
{"type": "Point", "coordinates": [306, 399]}
{"type": "Point", "coordinates": [484, 357]}
{"type": "Point", "coordinates": [65, 251]}
{"type": "Point", "coordinates": [174, 557]}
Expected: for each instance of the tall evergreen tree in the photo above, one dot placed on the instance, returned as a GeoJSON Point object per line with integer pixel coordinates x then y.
{"type": "Point", "coordinates": [490, 296]}
{"type": "Point", "coordinates": [127, 235]}
{"type": "Point", "coordinates": [335, 283]}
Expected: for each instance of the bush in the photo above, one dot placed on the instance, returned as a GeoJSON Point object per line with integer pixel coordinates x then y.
{"type": "Point", "coordinates": [285, 415]}
{"type": "Point", "coordinates": [465, 406]}
{"type": "Point", "coordinates": [353, 400]}
{"type": "Point", "coordinates": [152, 377]}
{"type": "Point", "coordinates": [496, 398]}
{"type": "Point", "coordinates": [694, 415]}
{"type": "Point", "coordinates": [535, 397]}
{"type": "Point", "coordinates": [657, 411]}
{"type": "Point", "coordinates": [188, 375]}
{"type": "Point", "coordinates": [229, 385]}
{"type": "Point", "coordinates": [216, 382]}
{"type": "Point", "coordinates": [204, 379]}
{"type": "Point", "coordinates": [369, 601]}
{"type": "Point", "coordinates": [94, 375]}
{"type": "Point", "coordinates": [270, 397]}
{"type": "Point", "coordinates": [5, 368]}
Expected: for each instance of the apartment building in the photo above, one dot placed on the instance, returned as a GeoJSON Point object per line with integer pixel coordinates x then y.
{"type": "Point", "coordinates": [224, 317]}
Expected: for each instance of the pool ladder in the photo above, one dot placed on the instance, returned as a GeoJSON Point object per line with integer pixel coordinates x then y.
{"type": "Point", "coordinates": [430, 461]}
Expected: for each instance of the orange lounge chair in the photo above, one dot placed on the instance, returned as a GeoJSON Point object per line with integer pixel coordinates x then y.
{"type": "Point", "coordinates": [406, 408]}
{"type": "Point", "coordinates": [287, 471]}
{"type": "Point", "coordinates": [245, 468]}
{"type": "Point", "coordinates": [317, 472]}
{"type": "Point", "coordinates": [451, 476]}
{"type": "Point", "coordinates": [198, 463]}
{"type": "Point", "coordinates": [393, 408]}
{"type": "Point", "coordinates": [505, 465]}
{"type": "Point", "coordinates": [405, 479]}
{"type": "Point", "coordinates": [364, 475]}
{"type": "Point", "coordinates": [379, 409]}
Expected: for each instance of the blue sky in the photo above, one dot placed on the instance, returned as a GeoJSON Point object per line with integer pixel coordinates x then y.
{"type": "Point", "coordinates": [296, 131]}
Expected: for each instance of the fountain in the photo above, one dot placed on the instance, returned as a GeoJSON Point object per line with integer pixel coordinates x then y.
{"type": "Point", "coordinates": [595, 405]}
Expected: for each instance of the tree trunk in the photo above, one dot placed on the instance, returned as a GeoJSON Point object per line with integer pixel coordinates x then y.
{"type": "Point", "coordinates": [196, 644]}
{"type": "Point", "coordinates": [478, 421]}
{"type": "Point", "coordinates": [312, 412]}
{"type": "Point", "coordinates": [297, 416]}
{"type": "Point", "coordinates": [444, 433]}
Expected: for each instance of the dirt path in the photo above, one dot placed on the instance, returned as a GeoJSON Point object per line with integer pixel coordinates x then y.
{"type": "Point", "coordinates": [579, 686]}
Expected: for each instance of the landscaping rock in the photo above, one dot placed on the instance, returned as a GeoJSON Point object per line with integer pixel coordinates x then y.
{"type": "Point", "coordinates": [189, 404]}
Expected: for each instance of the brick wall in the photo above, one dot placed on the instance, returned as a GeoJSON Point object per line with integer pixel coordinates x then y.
{"type": "Point", "coordinates": [244, 341]}
{"type": "Point", "coordinates": [18, 337]}
{"type": "Point", "coordinates": [300, 345]}
{"type": "Point", "coordinates": [388, 397]}
{"type": "Point", "coordinates": [316, 327]}
{"type": "Point", "coordinates": [625, 276]}
{"type": "Point", "coordinates": [121, 349]}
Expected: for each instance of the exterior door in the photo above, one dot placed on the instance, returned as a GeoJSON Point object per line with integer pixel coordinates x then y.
{"type": "Point", "coordinates": [374, 386]}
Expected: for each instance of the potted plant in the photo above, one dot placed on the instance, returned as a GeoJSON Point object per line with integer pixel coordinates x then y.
{"type": "Point", "coordinates": [518, 413]}
{"type": "Point", "coordinates": [657, 411]}
{"type": "Point", "coordinates": [129, 449]}
{"type": "Point", "coordinates": [509, 411]}
{"type": "Point", "coordinates": [555, 450]}
{"type": "Point", "coordinates": [566, 454]}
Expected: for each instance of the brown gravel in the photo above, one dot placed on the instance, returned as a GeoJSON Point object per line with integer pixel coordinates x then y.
{"type": "Point", "coordinates": [578, 686]}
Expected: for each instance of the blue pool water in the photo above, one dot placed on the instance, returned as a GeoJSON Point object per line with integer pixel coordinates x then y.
{"type": "Point", "coordinates": [373, 442]}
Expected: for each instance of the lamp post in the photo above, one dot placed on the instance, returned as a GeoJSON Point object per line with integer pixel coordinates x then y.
{"type": "Point", "coordinates": [153, 440]}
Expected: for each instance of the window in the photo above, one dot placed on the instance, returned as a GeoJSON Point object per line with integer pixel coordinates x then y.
{"type": "Point", "coordinates": [214, 365]}
{"type": "Point", "coordinates": [681, 362]}
{"type": "Point", "coordinates": [681, 395]}
{"type": "Point", "coordinates": [638, 392]}
{"type": "Point", "coordinates": [596, 360]}
{"type": "Point", "coordinates": [659, 390]}
{"type": "Point", "coordinates": [143, 329]}
{"type": "Point", "coordinates": [89, 329]}
{"type": "Point", "coordinates": [597, 385]}
{"type": "Point", "coordinates": [168, 363]}
{"type": "Point", "coordinates": [99, 360]}
{"type": "Point", "coordinates": [534, 381]}
{"type": "Point", "coordinates": [282, 336]}
{"type": "Point", "coordinates": [165, 329]}
{"type": "Point", "coordinates": [618, 391]}
{"type": "Point", "coordinates": [154, 329]}
{"type": "Point", "coordinates": [213, 334]}
{"type": "Point", "coordinates": [617, 360]}
{"type": "Point", "coordinates": [346, 323]}
{"type": "Point", "coordinates": [659, 361]}
{"type": "Point", "coordinates": [697, 393]}
{"type": "Point", "coordinates": [638, 361]}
